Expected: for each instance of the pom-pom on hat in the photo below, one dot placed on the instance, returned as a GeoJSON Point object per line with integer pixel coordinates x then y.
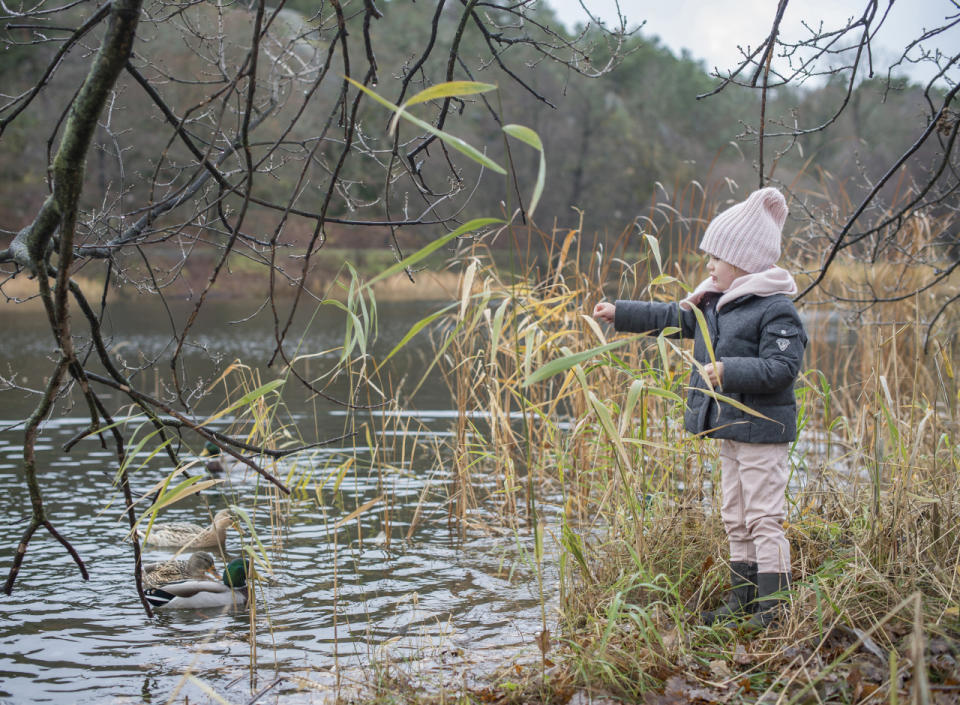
{"type": "Point", "coordinates": [747, 235]}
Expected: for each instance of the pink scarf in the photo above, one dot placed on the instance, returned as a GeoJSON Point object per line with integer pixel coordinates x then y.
{"type": "Point", "coordinates": [775, 280]}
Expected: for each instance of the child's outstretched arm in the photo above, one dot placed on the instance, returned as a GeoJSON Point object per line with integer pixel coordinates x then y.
{"type": "Point", "coordinates": [652, 317]}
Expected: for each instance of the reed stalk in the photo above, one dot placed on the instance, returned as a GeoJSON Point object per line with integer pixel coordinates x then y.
{"type": "Point", "coordinates": [874, 508]}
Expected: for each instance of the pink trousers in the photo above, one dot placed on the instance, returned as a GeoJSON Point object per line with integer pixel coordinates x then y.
{"type": "Point", "coordinates": [753, 478]}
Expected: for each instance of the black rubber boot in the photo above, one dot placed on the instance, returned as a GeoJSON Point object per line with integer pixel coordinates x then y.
{"type": "Point", "coordinates": [740, 599]}
{"type": "Point", "coordinates": [771, 600]}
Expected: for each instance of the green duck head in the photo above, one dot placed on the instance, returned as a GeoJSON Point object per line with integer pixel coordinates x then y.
{"type": "Point", "coordinates": [235, 574]}
{"type": "Point", "coordinates": [210, 449]}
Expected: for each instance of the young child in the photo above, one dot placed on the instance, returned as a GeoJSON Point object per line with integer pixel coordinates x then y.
{"type": "Point", "coordinates": [758, 342]}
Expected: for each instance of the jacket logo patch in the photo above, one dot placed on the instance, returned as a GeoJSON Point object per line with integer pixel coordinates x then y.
{"type": "Point", "coordinates": [783, 344]}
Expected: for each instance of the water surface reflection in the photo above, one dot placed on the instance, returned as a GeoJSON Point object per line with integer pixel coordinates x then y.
{"type": "Point", "coordinates": [335, 596]}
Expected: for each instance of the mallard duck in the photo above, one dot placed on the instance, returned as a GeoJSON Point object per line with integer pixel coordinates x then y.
{"type": "Point", "coordinates": [177, 534]}
{"type": "Point", "coordinates": [194, 568]}
{"type": "Point", "coordinates": [191, 594]}
{"type": "Point", "coordinates": [220, 464]}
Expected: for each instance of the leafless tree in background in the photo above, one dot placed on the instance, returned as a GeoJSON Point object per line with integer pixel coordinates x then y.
{"type": "Point", "coordinates": [210, 129]}
{"type": "Point", "coordinates": [904, 210]}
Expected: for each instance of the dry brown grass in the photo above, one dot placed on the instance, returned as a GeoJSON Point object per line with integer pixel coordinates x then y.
{"type": "Point", "coordinates": [874, 507]}
{"type": "Point", "coordinates": [427, 286]}
{"type": "Point", "coordinates": [22, 290]}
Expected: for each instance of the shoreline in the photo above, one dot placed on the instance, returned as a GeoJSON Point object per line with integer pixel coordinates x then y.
{"type": "Point", "coordinates": [429, 285]}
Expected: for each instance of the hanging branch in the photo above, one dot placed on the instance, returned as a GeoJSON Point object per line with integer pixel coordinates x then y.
{"type": "Point", "coordinates": [31, 246]}
{"type": "Point", "coordinates": [233, 140]}
{"type": "Point", "coordinates": [838, 241]}
{"type": "Point", "coordinates": [771, 43]}
{"type": "Point", "coordinates": [928, 175]}
{"type": "Point", "coordinates": [39, 517]}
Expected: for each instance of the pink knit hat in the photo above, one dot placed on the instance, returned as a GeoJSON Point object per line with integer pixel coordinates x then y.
{"type": "Point", "coordinates": [747, 235]}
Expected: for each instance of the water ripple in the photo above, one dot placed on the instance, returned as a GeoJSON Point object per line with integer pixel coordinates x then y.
{"type": "Point", "coordinates": [335, 594]}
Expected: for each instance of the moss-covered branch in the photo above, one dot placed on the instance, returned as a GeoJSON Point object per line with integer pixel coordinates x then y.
{"type": "Point", "coordinates": [32, 245]}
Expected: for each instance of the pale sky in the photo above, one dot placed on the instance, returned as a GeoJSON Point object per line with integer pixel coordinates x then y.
{"type": "Point", "coordinates": [712, 29]}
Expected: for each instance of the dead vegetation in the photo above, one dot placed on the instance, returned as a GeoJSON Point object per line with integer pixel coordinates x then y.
{"type": "Point", "coordinates": [582, 440]}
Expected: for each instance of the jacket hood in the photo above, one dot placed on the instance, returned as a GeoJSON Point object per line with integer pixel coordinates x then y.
{"type": "Point", "coordinates": [775, 280]}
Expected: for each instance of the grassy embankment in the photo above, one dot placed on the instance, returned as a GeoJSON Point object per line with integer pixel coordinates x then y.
{"type": "Point", "coordinates": [873, 503]}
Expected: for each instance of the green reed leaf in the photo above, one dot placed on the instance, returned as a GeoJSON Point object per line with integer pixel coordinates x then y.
{"type": "Point", "coordinates": [664, 393]}
{"type": "Point", "coordinates": [426, 251]}
{"type": "Point", "coordinates": [496, 328]}
{"type": "Point", "coordinates": [455, 142]}
{"type": "Point", "coordinates": [449, 89]}
{"type": "Point", "coordinates": [132, 453]}
{"type": "Point", "coordinates": [702, 323]}
{"type": "Point", "coordinates": [574, 544]}
{"type": "Point", "coordinates": [528, 136]}
{"type": "Point", "coordinates": [414, 329]}
{"type": "Point", "coordinates": [247, 399]}
{"type": "Point", "coordinates": [242, 514]}
{"type": "Point", "coordinates": [190, 486]}
{"type": "Point", "coordinates": [562, 364]}
{"type": "Point", "coordinates": [633, 395]}
{"type": "Point", "coordinates": [655, 249]}
{"type": "Point", "coordinates": [732, 402]}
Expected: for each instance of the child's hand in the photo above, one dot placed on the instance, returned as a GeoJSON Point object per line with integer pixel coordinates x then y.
{"type": "Point", "coordinates": [714, 373]}
{"type": "Point", "coordinates": [604, 311]}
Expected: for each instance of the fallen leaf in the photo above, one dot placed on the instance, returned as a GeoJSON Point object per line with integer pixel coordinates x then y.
{"type": "Point", "coordinates": [720, 669]}
{"type": "Point", "coordinates": [871, 671]}
{"type": "Point", "coordinates": [669, 640]}
{"type": "Point", "coordinates": [855, 681]}
{"type": "Point", "coordinates": [543, 641]}
{"type": "Point", "coordinates": [869, 689]}
{"type": "Point", "coordinates": [486, 695]}
{"type": "Point", "coordinates": [870, 645]}
{"type": "Point", "coordinates": [938, 645]}
{"type": "Point", "coordinates": [790, 653]}
{"type": "Point", "coordinates": [741, 656]}
{"type": "Point", "coordinates": [680, 691]}
{"type": "Point", "coordinates": [588, 697]}
{"type": "Point", "coordinates": [943, 663]}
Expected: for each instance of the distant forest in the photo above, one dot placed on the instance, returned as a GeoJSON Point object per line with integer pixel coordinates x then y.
{"type": "Point", "coordinates": [609, 141]}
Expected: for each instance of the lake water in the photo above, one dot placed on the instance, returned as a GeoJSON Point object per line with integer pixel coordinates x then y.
{"type": "Point", "coordinates": [338, 599]}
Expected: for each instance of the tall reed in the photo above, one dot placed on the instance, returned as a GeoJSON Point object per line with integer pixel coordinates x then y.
{"type": "Point", "coordinates": [873, 502]}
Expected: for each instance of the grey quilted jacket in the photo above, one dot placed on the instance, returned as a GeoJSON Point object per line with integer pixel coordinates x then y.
{"type": "Point", "coordinates": [759, 339]}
